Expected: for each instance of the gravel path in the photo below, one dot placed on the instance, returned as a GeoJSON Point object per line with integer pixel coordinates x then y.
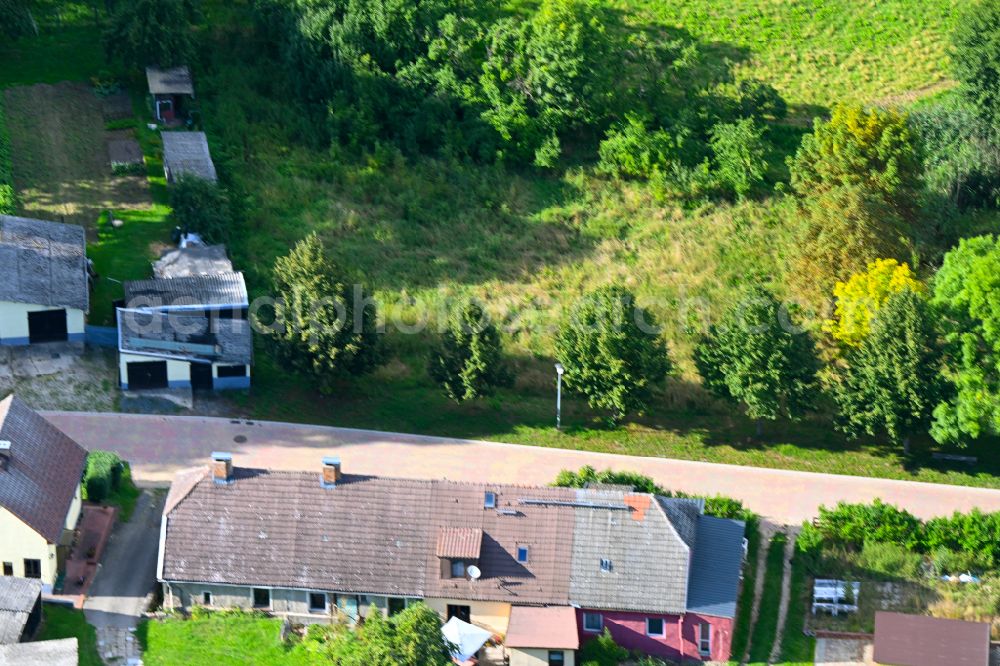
{"type": "Point", "coordinates": [158, 446]}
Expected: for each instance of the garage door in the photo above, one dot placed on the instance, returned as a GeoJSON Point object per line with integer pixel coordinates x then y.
{"type": "Point", "coordinates": [147, 375]}
{"type": "Point", "coordinates": [47, 326]}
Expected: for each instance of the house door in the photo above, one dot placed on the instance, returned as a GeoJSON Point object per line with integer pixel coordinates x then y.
{"type": "Point", "coordinates": [147, 375]}
{"type": "Point", "coordinates": [165, 110]}
{"type": "Point", "coordinates": [47, 326]}
{"type": "Point", "coordinates": [201, 376]}
{"type": "Point", "coordinates": [463, 613]}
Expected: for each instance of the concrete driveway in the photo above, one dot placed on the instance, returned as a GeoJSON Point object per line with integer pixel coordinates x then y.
{"type": "Point", "coordinates": [158, 446]}
{"type": "Point", "coordinates": [127, 574]}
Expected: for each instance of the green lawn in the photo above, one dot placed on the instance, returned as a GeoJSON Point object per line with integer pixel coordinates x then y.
{"type": "Point", "coordinates": [744, 612]}
{"type": "Point", "coordinates": [218, 639]}
{"type": "Point", "coordinates": [766, 627]}
{"type": "Point", "coordinates": [65, 622]}
{"type": "Point", "coordinates": [797, 649]}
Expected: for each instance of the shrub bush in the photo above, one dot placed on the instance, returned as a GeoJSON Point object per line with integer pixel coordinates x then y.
{"type": "Point", "coordinates": [97, 488]}
{"type": "Point", "coordinates": [602, 651]}
{"type": "Point", "coordinates": [740, 155]}
{"type": "Point", "coordinates": [890, 559]}
{"type": "Point", "coordinates": [201, 206]}
{"type": "Point", "coordinates": [103, 475]}
{"type": "Point", "coordinates": [854, 524]}
{"type": "Point", "coordinates": [632, 149]}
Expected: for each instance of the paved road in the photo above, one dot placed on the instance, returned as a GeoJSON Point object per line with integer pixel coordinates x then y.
{"type": "Point", "coordinates": [158, 446]}
{"type": "Point", "coordinates": [127, 575]}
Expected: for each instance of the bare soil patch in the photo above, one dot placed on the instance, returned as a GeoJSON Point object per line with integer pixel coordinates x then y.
{"type": "Point", "coordinates": [61, 166]}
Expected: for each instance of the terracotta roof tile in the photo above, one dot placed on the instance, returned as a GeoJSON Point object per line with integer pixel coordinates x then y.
{"type": "Point", "coordinates": [459, 542]}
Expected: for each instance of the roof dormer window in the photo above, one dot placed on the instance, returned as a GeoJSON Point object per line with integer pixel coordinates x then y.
{"type": "Point", "coordinates": [606, 565]}
{"type": "Point", "coordinates": [490, 500]}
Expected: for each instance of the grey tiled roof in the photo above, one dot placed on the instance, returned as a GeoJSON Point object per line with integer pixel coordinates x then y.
{"type": "Point", "coordinates": [683, 514]}
{"type": "Point", "coordinates": [184, 292]}
{"type": "Point", "coordinates": [17, 599]}
{"type": "Point", "coordinates": [197, 260]}
{"type": "Point", "coordinates": [186, 337]}
{"type": "Point", "coordinates": [45, 467]}
{"type": "Point", "coordinates": [59, 652]}
{"type": "Point", "coordinates": [381, 535]}
{"type": "Point", "coordinates": [649, 560]}
{"type": "Point", "coordinates": [44, 263]}
{"type": "Point", "coordinates": [187, 154]}
{"type": "Point", "coordinates": [173, 81]}
{"type": "Point", "coordinates": [715, 569]}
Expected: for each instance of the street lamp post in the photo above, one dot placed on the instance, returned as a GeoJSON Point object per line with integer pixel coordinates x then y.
{"type": "Point", "coordinates": [559, 373]}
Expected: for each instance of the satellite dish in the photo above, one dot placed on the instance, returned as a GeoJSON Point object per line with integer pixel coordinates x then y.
{"type": "Point", "coordinates": [474, 572]}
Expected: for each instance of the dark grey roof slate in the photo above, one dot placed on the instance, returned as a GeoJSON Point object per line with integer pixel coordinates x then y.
{"type": "Point", "coordinates": [683, 514]}
{"type": "Point", "coordinates": [196, 260]}
{"type": "Point", "coordinates": [716, 567]}
{"type": "Point", "coordinates": [173, 81]}
{"type": "Point", "coordinates": [44, 263]}
{"type": "Point", "coordinates": [216, 290]}
{"type": "Point", "coordinates": [649, 560]}
{"type": "Point", "coordinates": [188, 337]}
{"type": "Point", "coordinates": [18, 597]}
{"type": "Point", "coordinates": [187, 154]}
{"type": "Point", "coordinates": [45, 468]}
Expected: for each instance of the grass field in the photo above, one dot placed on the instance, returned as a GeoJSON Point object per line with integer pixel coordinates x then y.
{"type": "Point", "coordinates": [64, 622]}
{"type": "Point", "coordinates": [797, 649]}
{"type": "Point", "coordinates": [220, 639]}
{"type": "Point", "coordinates": [766, 628]}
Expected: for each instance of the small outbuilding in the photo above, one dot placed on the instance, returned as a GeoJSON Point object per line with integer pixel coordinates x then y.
{"type": "Point", "coordinates": [20, 608]}
{"type": "Point", "coordinates": [171, 90]}
{"type": "Point", "coordinates": [538, 636]}
{"type": "Point", "coordinates": [918, 640]}
{"type": "Point", "coordinates": [45, 288]}
{"type": "Point", "coordinates": [187, 154]}
{"type": "Point", "coordinates": [60, 652]}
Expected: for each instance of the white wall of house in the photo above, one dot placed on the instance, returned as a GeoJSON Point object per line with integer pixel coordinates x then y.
{"type": "Point", "coordinates": [73, 515]}
{"type": "Point", "coordinates": [493, 615]}
{"type": "Point", "coordinates": [14, 321]}
{"type": "Point", "coordinates": [537, 657]}
{"type": "Point", "coordinates": [19, 542]}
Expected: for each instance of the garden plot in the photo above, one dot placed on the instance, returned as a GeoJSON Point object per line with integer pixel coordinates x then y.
{"type": "Point", "coordinates": [60, 377]}
{"type": "Point", "coordinates": [61, 166]}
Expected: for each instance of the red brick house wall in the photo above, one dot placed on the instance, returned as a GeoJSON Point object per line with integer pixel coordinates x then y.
{"type": "Point", "coordinates": [680, 638]}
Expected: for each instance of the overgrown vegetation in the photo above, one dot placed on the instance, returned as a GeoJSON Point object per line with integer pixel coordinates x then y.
{"type": "Point", "coordinates": [200, 206]}
{"type": "Point", "coordinates": [66, 622]}
{"type": "Point", "coordinates": [744, 606]}
{"type": "Point", "coordinates": [765, 629]}
{"type": "Point", "coordinates": [8, 196]}
{"type": "Point", "coordinates": [797, 648]}
{"type": "Point", "coordinates": [107, 479]}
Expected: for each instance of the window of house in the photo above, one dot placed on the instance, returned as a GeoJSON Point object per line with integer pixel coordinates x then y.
{"type": "Point", "coordinates": [457, 569]}
{"type": "Point", "coordinates": [8, 568]}
{"type": "Point", "coordinates": [206, 598]}
{"type": "Point", "coordinates": [605, 564]}
{"type": "Point", "coordinates": [232, 371]}
{"type": "Point", "coordinates": [348, 605]}
{"type": "Point", "coordinates": [593, 622]}
{"type": "Point", "coordinates": [522, 554]}
{"type": "Point", "coordinates": [654, 626]}
{"type": "Point", "coordinates": [557, 658]}
{"type": "Point", "coordinates": [317, 602]}
{"type": "Point", "coordinates": [396, 605]}
{"type": "Point", "coordinates": [261, 597]}
{"type": "Point", "coordinates": [490, 499]}
{"type": "Point", "coordinates": [705, 639]}
{"type": "Point", "coordinates": [463, 613]}
{"type": "Point", "coordinates": [32, 568]}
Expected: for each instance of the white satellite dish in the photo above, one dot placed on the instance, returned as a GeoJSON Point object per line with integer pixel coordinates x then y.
{"type": "Point", "coordinates": [474, 572]}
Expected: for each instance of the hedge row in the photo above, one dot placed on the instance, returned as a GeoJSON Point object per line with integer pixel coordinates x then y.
{"type": "Point", "coordinates": [975, 533]}
{"type": "Point", "coordinates": [8, 196]}
{"type": "Point", "coordinates": [103, 475]}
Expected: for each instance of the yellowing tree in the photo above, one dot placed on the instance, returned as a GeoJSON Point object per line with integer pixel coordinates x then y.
{"type": "Point", "coordinates": [861, 297]}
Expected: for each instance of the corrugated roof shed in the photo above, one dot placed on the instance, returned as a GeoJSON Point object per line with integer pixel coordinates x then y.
{"type": "Point", "coordinates": [192, 261]}
{"type": "Point", "coordinates": [18, 597]}
{"type": "Point", "coordinates": [917, 640]}
{"type": "Point", "coordinates": [185, 337]}
{"type": "Point", "coordinates": [218, 290]}
{"type": "Point", "coordinates": [44, 469]}
{"type": "Point", "coordinates": [60, 652]}
{"type": "Point", "coordinates": [714, 584]}
{"type": "Point", "coordinates": [44, 263]}
{"type": "Point", "coordinates": [187, 154]}
{"type": "Point", "coordinates": [173, 81]}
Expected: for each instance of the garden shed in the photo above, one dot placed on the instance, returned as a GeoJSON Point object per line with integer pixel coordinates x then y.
{"type": "Point", "coordinates": [171, 89]}
{"type": "Point", "coordinates": [187, 154]}
{"type": "Point", "coordinates": [917, 640]}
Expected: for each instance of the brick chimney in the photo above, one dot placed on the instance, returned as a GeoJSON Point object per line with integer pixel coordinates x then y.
{"type": "Point", "coordinates": [222, 467]}
{"type": "Point", "coordinates": [331, 472]}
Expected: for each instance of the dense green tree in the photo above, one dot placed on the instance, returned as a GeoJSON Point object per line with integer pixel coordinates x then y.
{"type": "Point", "coordinates": [469, 361]}
{"type": "Point", "coordinates": [760, 100]}
{"type": "Point", "coordinates": [632, 149]}
{"type": "Point", "coordinates": [323, 326]}
{"type": "Point", "coordinates": [201, 206]}
{"type": "Point", "coordinates": [612, 351]}
{"type": "Point", "coordinates": [15, 18]}
{"type": "Point", "coordinates": [740, 153]}
{"type": "Point", "coordinates": [857, 180]}
{"type": "Point", "coordinates": [893, 379]}
{"type": "Point", "coordinates": [967, 296]}
{"type": "Point", "coordinates": [151, 32]}
{"type": "Point", "coordinates": [756, 357]}
{"type": "Point", "coordinates": [976, 57]}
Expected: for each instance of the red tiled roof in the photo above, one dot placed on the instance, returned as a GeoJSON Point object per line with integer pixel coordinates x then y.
{"type": "Point", "coordinates": [916, 640]}
{"type": "Point", "coordinates": [552, 627]}
{"type": "Point", "coordinates": [459, 542]}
